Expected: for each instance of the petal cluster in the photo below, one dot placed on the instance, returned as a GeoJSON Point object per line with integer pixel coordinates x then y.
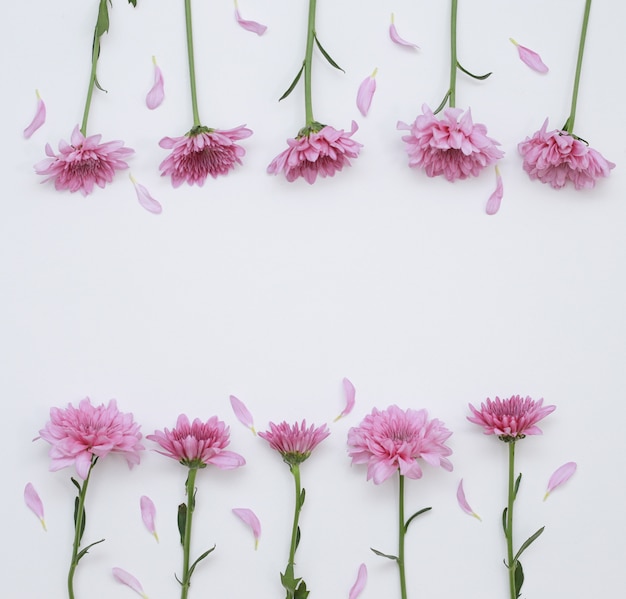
{"type": "Point", "coordinates": [198, 443]}
{"type": "Point", "coordinates": [83, 163]}
{"type": "Point", "coordinates": [511, 418]}
{"type": "Point", "coordinates": [395, 439]}
{"type": "Point", "coordinates": [452, 146]}
{"type": "Point", "coordinates": [202, 152]}
{"type": "Point", "coordinates": [77, 435]}
{"type": "Point", "coordinates": [320, 152]}
{"type": "Point", "coordinates": [294, 442]}
{"type": "Point", "coordinates": [556, 157]}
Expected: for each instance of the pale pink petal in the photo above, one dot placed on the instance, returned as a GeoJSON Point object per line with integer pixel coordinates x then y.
{"type": "Point", "coordinates": [33, 501]}
{"type": "Point", "coordinates": [393, 34]}
{"type": "Point", "coordinates": [560, 476]}
{"type": "Point", "coordinates": [129, 580]}
{"type": "Point", "coordinates": [350, 392]}
{"type": "Point", "coordinates": [530, 58]}
{"type": "Point", "coordinates": [460, 496]}
{"type": "Point", "coordinates": [250, 518]}
{"type": "Point", "coordinates": [359, 584]}
{"type": "Point", "coordinates": [252, 26]}
{"type": "Point", "coordinates": [493, 203]}
{"type": "Point", "coordinates": [242, 413]}
{"type": "Point", "coordinates": [39, 119]}
{"type": "Point", "coordinates": [148, 513]}
{"type": "Point", "coordinates": [145, 199]}
{"type": "Point", "coordinates": [156, 95]}
{"type": "Point", "coordinates": [366, 93]}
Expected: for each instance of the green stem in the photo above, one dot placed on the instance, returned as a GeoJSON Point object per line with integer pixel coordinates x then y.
{"type": "Point", "coordinates": [191, 490]}
{"type": "Point", "coordinates": [569, 124]}
{"type": "Point", "coordinates": [295, 470]}
{"type": "Point", "coordinates": [192, 66]}
{"type": "Point", "coordinates": [509, 520]}
{"type": "Point", "coordinates": [401, 534]}
{"type": "Point", "coordinates": [453, 54]}
{"type": "Point", "coordinates": [308, 60]}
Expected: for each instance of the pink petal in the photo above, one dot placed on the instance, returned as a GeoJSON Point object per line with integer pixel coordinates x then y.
{"type": "Point", "coordinates": [148, 513]}
{"type": "Point", "coordinates": [350, 392]}
{"type": "Point", "coordinates": [39, 118]}
{"type": "Point", "coordinates": [560, 476]}
{"type": "Point", "coordinates": [393, 34]}
{"type": "Point", "coordinates": [493, 203]}
{"type": "Point", "coordinates": [249, 25]}
{"type": "Point", "coordinates": [460, 496]}
{"type": "Point", "coordinates": [366, 93]}
{"type": "Point", "coordinates": [33, 501]}
{"type": "Point", "coordinates": [145, 199]}
{"type": "Point", "coordinates": [156, 95]}
{"type": "Point", "coordinates": [359, 584]}
{"type": "Point", "coordinates": [242, 413]}
{"type": "Point", "coordinates": [530, 58]}
{"type": "Point", "coordinates": [250, 518]}
{"type": "Point", "coordinates": [129, 580]}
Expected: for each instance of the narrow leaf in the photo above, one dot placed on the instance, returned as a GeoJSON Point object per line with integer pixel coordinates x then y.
{"type": "Point", "coordinates": [517, 483]}
{"type": "Point", "coordinates": [415, 515]}
{"type": "Point", "coordinates": [443, 103]}
{"type": "Point", "coordinates": [561, 475]}
{"type": "Point", "coordinates": [34, 503]}
{"type": "Point", "coordinates": [293, 83]}
{"type": "Point", "coordinates": [193, 566]}
{"type": "Point", "coordinates": [102, 24]}
{"type": "Point", "coordinates": [182, 521]}
{"type": "Point", "coordinates": [527, 543]}
{"type": "Point", "coordinates": [250, 518]}
{"type": "Point", "coordinates": [129, 580]}
{"type": "Point", "coordinates": [83, 521]}
{"type": "Point", "coordinates": [297, 537]}
{"type": "Point", "coordinates": [84, 552]}
{"type": "Point", "coordinates": [381, 554]}
{"type": "Point", "coordinates": [327, 55]}
{"type": "Point", "coordinates": [518, 578]}
{"type": "Point", "coordinates": [479, 77]}
{"type": "Point", "coordinates": [302, 497]}
{"type": "Point", "coordinates": [359, 583]}
{"type": "Point", "coordinates": [504, 520]}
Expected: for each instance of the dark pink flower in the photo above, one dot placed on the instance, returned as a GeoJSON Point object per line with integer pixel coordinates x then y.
{"type": "Point", "coordinates": [452, 146]}
{"type": "Point", "coordinates": [78, 435]}
{"type": "Point", "coordinates": [317, 150]}
{"type": "Point", "coordinates": [557, 157]}
{"type": "Point", "coordinates": [83, 163]}
{"type": "Point", "coordinates": [511, 418]}
{"type": "Point", "coordinates": [396, 439]}
{"type": "Point", "coordinates": [198, 444]}
{"type": "Point", "coordinates": [202, 152]}
{"type": "Point", "coordinates": [294, 442]}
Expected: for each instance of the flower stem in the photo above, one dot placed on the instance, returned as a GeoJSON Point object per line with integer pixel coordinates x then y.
{"type": "Point", "coordinates": [401, 534]}
{"type": "Point", "coordinates": [509, 521]}
{"type": "Point", "coordinates": [453, 55]}
{"type": "Point", "coordinates": [289, 572]}
{"type": "Point", "coordinates": [569, 124]}
{"type": "Point", "coordinates": [308, 60]}
{"type": "Point", "coordinates": [191, 500]}
{"type": "Point", "coordinates": [192, 66]}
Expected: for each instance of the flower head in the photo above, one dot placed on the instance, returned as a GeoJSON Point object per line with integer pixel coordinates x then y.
{"type": "Point", "coordinates": [317, 150]}
{"type": "Point", "coordinates": [396, 439]}
{"type": "Point", "coordinates": [78, 435]}
{"type": "Point", "coordinates": [511, 418]}
{"type": "Point", "coordinates": [202, 152]}
{"type": "Point", "coordinates": [558, 157]}
{"type": "Point", "coordinates": [83, 163]}
{"type": "Point", "coordinates": [294, 442]}
{"type": "Point", "coordinates": [452, 146]}
{"type": "Point", "coordinates": [198, 444]}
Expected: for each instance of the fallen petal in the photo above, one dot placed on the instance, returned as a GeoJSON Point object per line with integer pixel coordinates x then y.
{"type": "Point", "coordinates": [145, 199]}
{"type": "Point", "coordinates": [494, 201]}
{"type": "Point", "coordinates": [242, 413]}
{"type": "Point", "coordinates": [39, 118]}
{"type": "Point", "coordinates": [148, 513]}
{"type": "Point", "coordinates": [393, 34]}
{"type": "Point", "coordinates": [460, 496]}
{"type": "Point", "coordinates": [530, 58]}
{"type": "Point", "coordinates": [129, 580]}
{"type": "Point", "coordinates": [249, 25]}
{"type": "Point", "coordinates": [250, 518]}
{"type": "Point", "coordinates": [560, 476]}
{"type": "Point", "coordinates": [359, 584]}
{"type": "Point", "coordinates": [156, 95]}
{"type": "Point", "coordinates": [350, 392]}
{"type": "Point", "coordinates": [33, 501]}
{"type": "Point", "coordinates": [366, 93]}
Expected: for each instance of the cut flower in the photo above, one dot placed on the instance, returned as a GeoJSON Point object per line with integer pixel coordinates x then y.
{"type": "Point", "coordinates": [294, 442]}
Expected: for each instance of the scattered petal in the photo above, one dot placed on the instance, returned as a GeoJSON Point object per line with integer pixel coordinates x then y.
{"type": "Point", "coordinates": [33, 501]}
{"type": "Point", "coordinates": [530, 58]}
{"type": "Point", "coordinates": [359, 584]}
{"type": "Point", "coordinates": [39, 118]}
{"type": "Point", "coordinates": [393, 34]}
{"type": "Point", "coordinates": [249, 25]}
{"type": "Point", "coordinates": [242, 413]}
{"type": "Point", "coordinates": [350, 392]}
{"type": "Point", "coordinates": [250, 518]}
{"type": "Point", "coordinates": [145, 199]}
{"type": "Point", "coordinates": [493, 203]}
{"type": "Point", "coordinates": [366, 93]}
{"type": "Point", "coordinates": [156, 95]}
{"type": "Point", "coordinates": [129, 580]}
{"type": "Point", "coordinates": [560, 476]}
{"type": "Point", "coordinates": [460, 496]}
{"type": "Point", "coordinates": [148, 513]}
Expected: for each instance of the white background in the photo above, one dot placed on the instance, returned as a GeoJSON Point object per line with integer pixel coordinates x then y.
{"type": "Point", "coordinates": [274, 292]}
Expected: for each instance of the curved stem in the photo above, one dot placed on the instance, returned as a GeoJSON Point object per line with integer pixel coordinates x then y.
{"type": "Point", "coordinates": [192, 66]}
{"type": "Point", "coordinates": [191, 489]}
{"type": "Point", "coordinates": [453, 54]}
{"type": "Point", "coordinates": [401, 534]}
{"type": "Point", "coordinates": [308, 60]}
{"type": "Point", "coordinates": [295, 470]}
{"type": "Point", "coordinates": [509, 520]}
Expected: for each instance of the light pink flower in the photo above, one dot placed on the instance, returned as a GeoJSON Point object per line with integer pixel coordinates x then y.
{"type": "Point", "coordinates": [366, 93]}
{"type": "Point", "coordinates": [129, 580]}
{"type": "Point", "coordinates": [202, 152]}
{"type": "Point", "coordinates": [156, 95]}
{"type": "Point", "coordinates": [393, 34]}
{"type": "Point", "coordinates": [78, 435]}
{"type": "Point", "coordinates": [350, 392]}
{"type": "Point", "coordinates": [495, 199]}
{"type": "Point", "coordinates": [460, 497]}
{"type": "Point", "coordinates": [38, 120]}
{"type": "Point", "coordinates": [294, 442]}
{"type": "Point", "coordinates": [557, 157]}
{"type": "Point", "coordinates": [34, 503]}
{"type": "Point", "coordinates": [242, 413]}
{"type": "Point", "coordinates": [454, 146]}
{"type": "Point", "coordinates": [511, 418]}
{"type": "Point", "coordinates": [83, 163]}
{"type": "Point", "coordinates": [145, 199]}
{"type": "Point", "coordinates": [530, 58]}
{"type": "Point", "coordinates": [148, 513]}
{"type": "Point", "coordinates": [198, 444]}
{"type": "Point", "coordinates": [396, 439]}
{"type": "Point", "coordinates": [317, 150]}
{"type": "Point", "coordinates": [251, 519]}
{"type": "Point", "coordinates": [252, 26]}
{"type": "Point", "coordinates": [359, 583]}
{"type": "Point", "coordinates": [561, 475]}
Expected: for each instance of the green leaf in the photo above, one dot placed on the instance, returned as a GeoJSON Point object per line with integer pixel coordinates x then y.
{"type": "Point", "coordinates": [297, 537]}
{"type": "Point", "coordinates": [517, 483]}
{"type": "Point", "coordinates": [97, 84]}
{"type": "Point", "coordinates": [102, 24]}
{"type": "Point", "coordinates": [302, 496]}
{"type": "Point", "coordinates": [443, 103]}
{"type": "Point", "coordinates": [504, 521]}
{"type": "Point", "coordinates": [326, 55]}
{"type": "Point", "coordinates": [289, 582]}
{"type": "Point", "coordinates": [415, 515]}
{"type": "Point", "coordinates": [182, 521]}
{"type": "Point", "coordinates": [83, 519]}
{"type": "Point", "coordinates": [381, 554]}
{"type": "Point", "coordinates": [301, 591]}
{"type": "Point", "coordinates": [527, 543]}
{"type": "Point", "coordinates": [293, 83]}
{"type": "Point", "coordinates": [86, 549]}
{"type": "Point", "coordinates": [518, 578]}
{"type": "Point", "coordinates": [193, 566]}
{"type": "Point", "coordinates": [479, 77]}
{"type": "Point", "coordinates": [76, 484]}
{"type": "Point", "coordinates": [133, 2]}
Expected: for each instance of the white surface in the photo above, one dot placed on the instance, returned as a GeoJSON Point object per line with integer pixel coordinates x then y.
{"type": "Point", "coordinates": [274, 291]}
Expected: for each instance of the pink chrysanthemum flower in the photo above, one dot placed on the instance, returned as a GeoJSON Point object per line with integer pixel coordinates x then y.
{"type": "Point", "coordinates": [317, 150]}
{"type": "Point", "coordinates": [202, 152]}
{"type": "Point", "coordinates": [83, 163]}
{"type": "Point", "coordinates": [452, 146]}
{"type": "Point", "coordinates": [79, 435]}
{"type": "Point", "coordinates": [511, 418]}
{"type": "Point", "coordinates": [556, 157]}
{"type": "Point", "coordinates": [294, 442]}
{"type": "Point", "coordinates": [198, 444]}
{"type": "Point", "coordinates": [396, 439]}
